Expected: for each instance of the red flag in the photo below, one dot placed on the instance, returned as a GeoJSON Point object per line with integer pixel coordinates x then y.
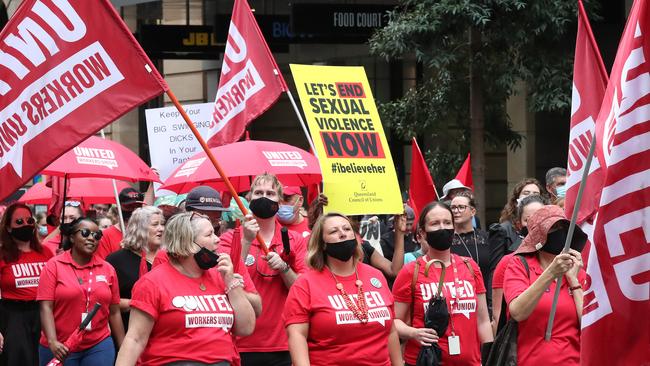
{"type": "Point", "coordinates": [421, 187]}
{"type": "Point", "coordinates": [250, 81]}
{"type": "Point", "coordinates": [589, 83]}
{"type": "Point", "coordinates": [57, 201]}
{"type": "Point", "coordinates": [69, 69]}
{"type": "Point", "coordinates": [617, 299]}
{"type": "Point", "coordinates": [464, 174]}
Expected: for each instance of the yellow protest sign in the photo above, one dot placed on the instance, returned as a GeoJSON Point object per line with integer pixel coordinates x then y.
{"type": "Point", "coordinates": [358, 171]}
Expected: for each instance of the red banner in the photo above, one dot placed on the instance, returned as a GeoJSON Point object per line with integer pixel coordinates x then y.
{"type": "Point", "coordinates": [68, 68]}
{"type": "Point", "coordinates": [615, 322]}
{"type": "Point", "coordinates": [421, 187]}
{"type": "Point", "coordinates": [589, 83]}
{"type": "Point", "coordinates": [250, 81]}
{"type": "Point", "coordinates": [464, 174]}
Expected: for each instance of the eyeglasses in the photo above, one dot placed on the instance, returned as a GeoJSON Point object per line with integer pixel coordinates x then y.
{"type": "Point", "coordinates": [72, 203]}
{"type": "Point", "coordinates": [198, 215]}
{"type": "Point", "coordinates": [459, 208]}
{"type": "Point", "coordinates": [21, 222]}
{"type": "Point", "coordinates": [97, 235]}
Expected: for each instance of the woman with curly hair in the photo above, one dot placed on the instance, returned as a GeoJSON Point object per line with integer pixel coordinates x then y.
{"type": "Point", "coordinates": [504, 237]}
{"type": "Point", "coordinates": [141, 242]}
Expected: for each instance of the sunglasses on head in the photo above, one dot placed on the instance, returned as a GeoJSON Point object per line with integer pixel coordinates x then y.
{"type": "Point", "coordinates": [97, 235]}
{"type": "Point", "coordinates": [28, 221]}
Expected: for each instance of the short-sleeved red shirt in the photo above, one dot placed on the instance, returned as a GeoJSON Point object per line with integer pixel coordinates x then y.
{"type": "Point", "coordinates": [60, 283]}
{"type": "Point", "coordinates": [162, 257]}
{"type": "Point", "coordinates": [500, 271]}
{"type": "Point", "coordinates": [532, 349]}
{"type": "Point", "coordinates": [269, 334]}
{"type": "Point", "coordinates": [109, 243]}
{"type": "Point", "coordinates": [462, 302]}
{"type": "Point", "coordinates": [19, 280]}
{"type": "Point", "coordinates": [190, 324]}
{"type": "Point", "coordinates": [336, 336]}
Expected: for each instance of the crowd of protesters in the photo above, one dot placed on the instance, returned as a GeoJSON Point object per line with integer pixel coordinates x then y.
{"type": "Point", "coordinates": [191, 281]}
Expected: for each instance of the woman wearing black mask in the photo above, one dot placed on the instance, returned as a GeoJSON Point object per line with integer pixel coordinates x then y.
{"type": "Point", "coordinates": [184, 312]}
{"type": "Point", "coordinates": [529, 292]}
{"type": "Point", "coordinates": [463, 289]}
{"type": "Point", "coordinates": [272, 274]}
{"type": "Point", "coordinates": [21, 259]}
{"type": "Point", "coordinates": [326, 323]}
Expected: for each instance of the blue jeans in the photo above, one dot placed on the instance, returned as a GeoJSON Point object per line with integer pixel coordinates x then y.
{"type": "Point", "coordinates": [101, 354]}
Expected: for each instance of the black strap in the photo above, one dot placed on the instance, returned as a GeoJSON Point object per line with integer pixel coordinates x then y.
{"type": "Point", "coordinates": [504, 305]}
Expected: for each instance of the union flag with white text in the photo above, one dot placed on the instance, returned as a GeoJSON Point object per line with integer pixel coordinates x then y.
{"type": "Point", "coordinates": [250, 81]}
{"type": "Point", "coordinates": [68, 68]}
{"type": "Point", "coordinates": [589, 83]}
{"type": "Point", "coordinates": [615, 322]}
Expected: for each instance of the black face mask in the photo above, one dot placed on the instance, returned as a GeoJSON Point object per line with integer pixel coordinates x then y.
{"type": "Point", "coordinates": [440, 239]}
{"type": "Point", "coordinates": [523, 232]}
{"type": "Point", "coordinates": [206, 259]}
{"type": "Point", "coordinates": [555, 241]}
{"type": "Point", "coordinates": [264, 208]}
{"type": "Point", "coordinates": [342, 250]}
{"type": "Point", "coordinates": [126, 215]}
{"type": "Point", "coordinates": [23, 233]}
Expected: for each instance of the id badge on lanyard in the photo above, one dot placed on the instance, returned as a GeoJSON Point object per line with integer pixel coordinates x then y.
{"type": "Point", "coordinates": [454, 339]}
{"type": "Point", "coordinates": [86, 292]}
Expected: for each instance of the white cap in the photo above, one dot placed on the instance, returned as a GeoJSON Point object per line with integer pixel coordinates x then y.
{"type": "Point", "coordinates": [452, 184]}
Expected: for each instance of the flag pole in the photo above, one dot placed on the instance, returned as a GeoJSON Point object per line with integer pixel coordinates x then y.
{"type": "Point", "coordinates": [572, 226]}
{"type": "Point", "coordinates": [302, 122]}
{"type": "Point", "coordinates": [215, 163]}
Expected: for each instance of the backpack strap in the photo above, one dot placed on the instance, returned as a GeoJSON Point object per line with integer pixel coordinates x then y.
{"type": "Point", "coordinates": [525, 263]}
{"type": "Point", "coordinates": [414, 280]}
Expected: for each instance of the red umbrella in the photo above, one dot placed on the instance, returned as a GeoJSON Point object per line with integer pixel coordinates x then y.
{"type": "Point", "coordinates": [96, 157]}
{"type": "Point", "coordinates": [88, 190]}
{"type": "Point", "coordinates": [244, 160]}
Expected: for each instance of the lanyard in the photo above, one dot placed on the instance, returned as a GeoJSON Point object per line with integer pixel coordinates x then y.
{"type": "Point", "coordinates": [85, 292]}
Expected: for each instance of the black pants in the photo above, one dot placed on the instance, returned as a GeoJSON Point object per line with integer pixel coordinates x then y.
{"type": "Point", "coordinates": [282, 358]}
{"type": "Point", "coordinates": [20, 324]}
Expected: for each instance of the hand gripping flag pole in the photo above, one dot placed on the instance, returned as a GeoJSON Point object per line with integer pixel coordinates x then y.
{"type": "Point", "coordinates": [214, 161]}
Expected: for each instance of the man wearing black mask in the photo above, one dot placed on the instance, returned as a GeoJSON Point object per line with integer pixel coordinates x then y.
{"type": "Point", "coordinates": [272, 274]}
{"type": "Point", "coordinates": [130, 199]}
{"type": "Point", "coordinates": [207, 201]}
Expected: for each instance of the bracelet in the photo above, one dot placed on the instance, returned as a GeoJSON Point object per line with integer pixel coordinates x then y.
{"type": "Point", "coordinates": [286, 268]}
{"type": "Point", "coordinates": [234, 284]}
{"type": "Point", "coordinates": [573, 288]}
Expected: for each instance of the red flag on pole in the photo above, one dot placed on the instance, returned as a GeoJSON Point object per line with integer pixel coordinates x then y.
{"type": "Point", "coordinates": [58, 185]}
{"type": "Point", "coordinates": [250, 81]}
{"type": "Point", "coordinates": [464, 174]}
{"type": "Point", "coordinates": [68, 69]}
{"type": "Point", "coordinates": [589, 83]}
{"type": "Point", "coordinates": [617, 299]}
{"type": "Point", "coordinates": [421, 187]}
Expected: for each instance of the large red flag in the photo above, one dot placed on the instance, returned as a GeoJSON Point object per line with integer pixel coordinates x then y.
{"type": "Point", "coordinates": [615, 322]}
{"type": "Point", "coordinates": [589, 83]}
{"type": "Point", "coordinates": [250, 81]}
{"type": "Point", "coordinates": [464, 174]}
{"type": "Point", "coordinates": [421, 187]}
{"type": "Point", "coordinates": [67, 69]}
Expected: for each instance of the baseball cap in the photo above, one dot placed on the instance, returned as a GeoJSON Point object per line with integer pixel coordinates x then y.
{"type": "Point", "coordinates": [291, 190]}
{"type": "Point", "coordinates": [204, 198]}
{"type": "Point", "coordinates": [452, 184]}
{"type": "Point", "coordinates": [130, 196]}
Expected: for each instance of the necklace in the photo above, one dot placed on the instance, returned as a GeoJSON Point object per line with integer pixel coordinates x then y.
{"type": "Point", "coordinates": [360, 309]}
{"type": "Point", "coordinates": [475, 245]}
{"type": "Point", "coordinates": [199, 279]}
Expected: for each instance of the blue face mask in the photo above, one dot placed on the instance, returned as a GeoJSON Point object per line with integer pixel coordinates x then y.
{"type": "Point", "coordinates": [560, 191]}
{"type": "Point", "coordinates": [286, 214]}
{"type": "Point", "coordinates": [42, 230]}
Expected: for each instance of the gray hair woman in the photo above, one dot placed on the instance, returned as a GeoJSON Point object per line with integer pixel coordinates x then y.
{"type": "Point", "coordinates": [142, 240]}
{"type": "Point", "coordinates": [187, 310]}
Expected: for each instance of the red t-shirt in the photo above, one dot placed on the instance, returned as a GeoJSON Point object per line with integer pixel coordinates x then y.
{"type": "Point", "coordinates": [109, 243]}
{"type": "Point", "coordinates": [336, 337]}
{"type": "Point", "coordinates": [53, 243]}
{"type": "Point", "coordinates": [19, 280]}
{"type": "Point", "coordinates": [269, 334]}
{"type": "Point", "coordinates": [532, 349]}
{"type": "Point", "coordinates": [162, 257]}
{"type": "Point", "coordinates": [463, 311]}
{"type": "Point", "coordinates": [301, 228]}
{"type": "Point", "coordinates": [500, 271]}
{"type": "Point", "coordinates": [60, 283]}
{"type": "Point", "coordinates": [189, 324]}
